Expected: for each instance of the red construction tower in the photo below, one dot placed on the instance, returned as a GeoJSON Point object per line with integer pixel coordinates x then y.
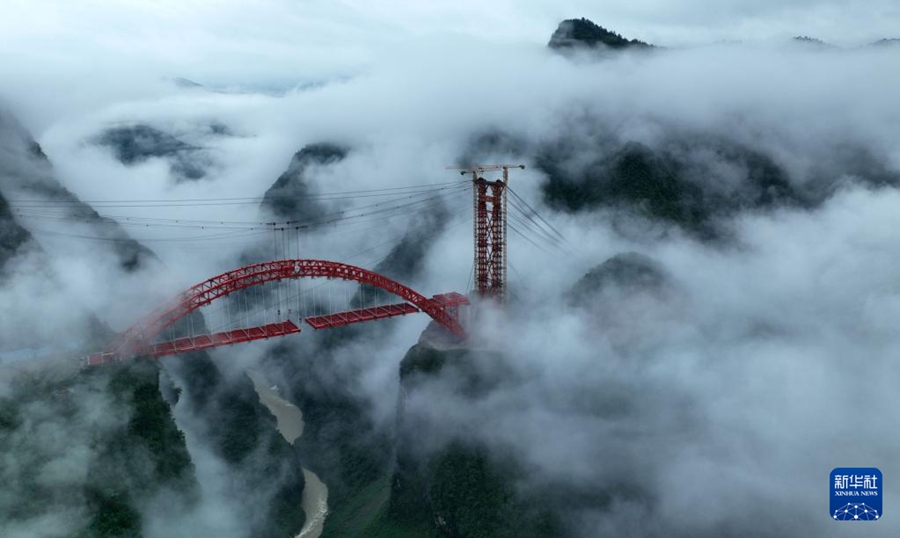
{"type": "Point", "coordinates": [490, 229]}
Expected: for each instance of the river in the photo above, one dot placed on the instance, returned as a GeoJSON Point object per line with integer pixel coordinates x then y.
{"type": "Point", "coordinates": [290, 425]}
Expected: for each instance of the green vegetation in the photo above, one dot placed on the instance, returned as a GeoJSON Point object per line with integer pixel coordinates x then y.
{"type": "Point", "coordinates": [340, 443]}
{"type": "Point", "coordinates": [13, 237]}
{"type": "Point", "coordinates": [628, 271]}
{"type": "Point", "coordinates": [365, 515]}
{"type": "Point", "coordinates": [110, 431]}
{"type": "Point", "coordinates": [286, 517]}
{"type": "Point", "coordinates": [244, 433]}
{"type": "Point", "coordinates": [425, 361]}
{"type": "Point", "coordinates": [467, 494]}
{"type": "Point", "coordinates": [122, 476]}
{"type": "Point", "coordinates": [114, 516]}
{"type": "Point", "coordinates": [380, 487]}
{"type": "Point", "coordinates": [473, 496]}
{"type": "Point", "coordinates": [664, 185]}
{"type": "Point", "coordinates": [9, 415]}
{"type": "Point", "coordinates": [239, 425]}
{"type": "Point", "coordinates": [582, 32]}
{"type": "Point", "coordinates": [634, 177]}
{"type": "Point", "coordinates": [151, 425]}
{"type": "Point", "coordinates": [812, 41]}
{"type": "Point", "coordinates": [289, 197]}
{"type": "Point", "coordinates": [201, 377]}
{"type": "Point", "coordinates": [281, 461]}
{"type": "Point", "coordinates": [422, 362]}
{"type": "Point", "coordinates": [459, 491]}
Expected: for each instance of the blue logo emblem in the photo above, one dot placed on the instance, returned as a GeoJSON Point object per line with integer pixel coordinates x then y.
{"type": "Point", "coordinates": [856, 494]}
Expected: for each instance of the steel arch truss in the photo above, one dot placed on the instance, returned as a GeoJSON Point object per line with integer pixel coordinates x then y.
{"type": "Point", "coordinates": [138, 337]}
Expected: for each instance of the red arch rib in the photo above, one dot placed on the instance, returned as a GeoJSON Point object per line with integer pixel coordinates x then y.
{"type": "Point", "coordinates": [132, 340]}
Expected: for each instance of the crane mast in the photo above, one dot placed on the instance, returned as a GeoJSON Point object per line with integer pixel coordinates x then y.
{"type": "Point", "coordinates": [489, 207]}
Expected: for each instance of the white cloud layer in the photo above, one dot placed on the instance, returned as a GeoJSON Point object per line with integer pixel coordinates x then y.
{"type": "Point", "coordinates": [778, 344]}
{"type": "Point", "coordinates": [59, 53]}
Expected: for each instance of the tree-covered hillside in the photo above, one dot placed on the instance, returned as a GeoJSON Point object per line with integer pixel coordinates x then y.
{"type": "Point", "coordinates": [574, 33]}
{"type": "Point", "coordinates": [89, 452]}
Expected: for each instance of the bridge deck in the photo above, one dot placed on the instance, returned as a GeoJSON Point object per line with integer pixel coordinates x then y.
{"type": "Point", "coordinates": [445, 303]}
{"type": "Point", "coordinates": [205, 341]}
{"type": "Point", "coordinates": [363, 314]}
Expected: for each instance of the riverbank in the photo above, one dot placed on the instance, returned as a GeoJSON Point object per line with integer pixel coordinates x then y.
{"type": "Point", "coordinates": [290, 424]}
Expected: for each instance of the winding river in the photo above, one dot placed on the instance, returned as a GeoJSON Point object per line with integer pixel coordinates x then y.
{"type": "Point", "coordinates": [290, 425]}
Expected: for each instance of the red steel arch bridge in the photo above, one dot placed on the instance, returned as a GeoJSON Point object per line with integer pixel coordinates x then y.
{"type": "Point", "coordinates": [141, 339]}
{"type": "Point", "coordinates": [269, 299]}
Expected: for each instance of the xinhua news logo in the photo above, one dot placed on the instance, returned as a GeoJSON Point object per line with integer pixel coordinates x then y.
{"type": "Point", "coordinates": [856, 494]}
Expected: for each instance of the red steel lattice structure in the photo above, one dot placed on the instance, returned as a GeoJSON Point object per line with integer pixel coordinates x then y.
{"type": "Point", "coordinates": [490, 230]}
{"type": "Point", "coordinates": [138, 339]}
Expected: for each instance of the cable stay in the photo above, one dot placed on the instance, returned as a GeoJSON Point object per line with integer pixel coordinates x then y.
{"type": "Point", "coordinates": [193, 202]}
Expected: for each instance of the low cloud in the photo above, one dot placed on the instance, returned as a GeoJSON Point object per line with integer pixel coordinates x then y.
{"type": "Point", "coordinates": [767, 365]}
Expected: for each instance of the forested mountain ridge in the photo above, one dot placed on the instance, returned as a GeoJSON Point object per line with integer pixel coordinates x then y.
{"type": "Point", "coordinates": [27, 173]}
{"type": "Point", "coordinates": [574, 33]}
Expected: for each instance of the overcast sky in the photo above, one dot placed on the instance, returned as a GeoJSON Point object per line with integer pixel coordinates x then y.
{"type": "Point", "coordinates": [142, 23]}
{"type": "Point", "coordinates": [205, 38]}
{"type": "Point", "coordinates": [51, 49]}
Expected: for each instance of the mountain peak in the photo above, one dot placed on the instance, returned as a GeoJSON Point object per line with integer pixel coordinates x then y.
{"type": "Point", "coordinates": [572, 33]}
{"type": "Point", "coordinates": [812, 41]}
{"type": "Point", "coordinates": [886, 42]}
